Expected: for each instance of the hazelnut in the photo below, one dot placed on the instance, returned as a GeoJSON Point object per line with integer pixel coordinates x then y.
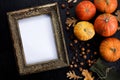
{"type": "Point", "coordinates": [83, 53]}
{"type": "Point", "coordinates": [91, 56]}
{"type": "Point", "coordinates": [92, 62]}
{"type": "Point", "coordinates": [80, 69]}
{"type": "Point", "coordinates": [83, 49]}
{"type": "Point", "coordinates": [72, 62]}
{"type": "Point", "coordinates": [95, 53]}
{"type": "Point", "coordinates": [88, 51]}
{"type": "Point", "coordinates": [76, 54]}
{"type": "Point", "coordinates": [75, 65]}
{"type": "Point", "coordinates": [75, 41]}
{"type": "Point", "coordinates": [76, 50]}
{"type": "Point", "coordinates": [81, 63]}
{"type": "Point", "coordinates": [67, 13]}
{"type": "Point", "coordinates": [88, 61]}
{"type": "Point", "coordinates": [63, 6]}
{"type": "Point", "coordinates": [80, 54]}
{"type": "Point", "coordinates": [84, 56]}
{"type": "Point", "coordinates": [71, 44]}
{"type": "Point", "coordinates": [76, 60]}
{"type": "Point", "coordinates": [71, 66]}
{"type": "Point", "coordinates": [88, 44]}
{"type": "Point", "coordinates": [89, 64]}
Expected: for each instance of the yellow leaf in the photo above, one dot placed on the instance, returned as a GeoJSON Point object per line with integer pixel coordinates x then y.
{"type": "Point", "coordinates": [88, 75]}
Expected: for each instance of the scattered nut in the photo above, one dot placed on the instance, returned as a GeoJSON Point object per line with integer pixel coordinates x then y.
{"type": "Point", "coordinates": [80, 69]}
{"type": "Point", "coordinates": [76, 60]}
{"type": "Point", "coordinates": [71, 66]}
{"type": "Point", "coordinates": [89, 64]}
{"type": "Point", "coordinates": [88, 44]}
{"type": "Point", "coordinates": [95, 53]}
{"type": "Point", "coordinates": [88, 51]}
{"type": "Point", "coordinates": [71, 44]}
{"type": "Point", "coordinates": [80, 54]}
{"type": "Point", "coordinates": [84, 56]}
{"type": "Point", "coordinates": [92, 62]}
{"type": "Point", "coordinates": [75, 65]}
{"type": "Point", "coordinates": [75, 41]}
{"type": "Point", "coordinates": [76, 50]}
{"type": "Point", "coordinates": [63, 6]}
{"type": "Point", "coordinates": [88, 61]}
{"type": "Point", "coordinates": [91, 56]}
{"type": "Point", "coordinates": [72, 62]}
{"type": "Point", "coordinates": [83, 49]}
{"type": "Point", "coordinates": [76, 54]}
{"type": "Point", "coordinates": [83, 53]}
{"type": "Point", "coordinates": [67, 13]}
{"type": "Point", "coordinates": [81, 63]}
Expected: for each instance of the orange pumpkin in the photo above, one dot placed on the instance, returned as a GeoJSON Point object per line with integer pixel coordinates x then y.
{"type": "Point", "coordinates": [84, 30]}
{"type": "Point", "coordinates": [107, 6]}
{"type": "Point", "coordinates": [110, 49]}
{"type": "Point", "coordinates": [106, 25]}
{"type": "Point", "coordinates": [85, 10]}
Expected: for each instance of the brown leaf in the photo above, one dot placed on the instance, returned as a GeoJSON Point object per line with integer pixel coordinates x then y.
{"type": "Point", "coordinates": [118, 15]}
{"type": "Point", "coordinates": [69, 1]}
{"type": "Point", "coordinates": [72, 75]}
{"type": "Point", "coordinates": [74, 1]}
{"type": "Point", "coordinates": [88, 75]}
{"type": "Point", "coordinates": [71, 21]}
{"type": "Point", "coordinates": [118, 28]}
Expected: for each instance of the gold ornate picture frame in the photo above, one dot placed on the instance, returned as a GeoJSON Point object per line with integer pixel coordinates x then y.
{"type": "Point", "coordinates": [22, 36]}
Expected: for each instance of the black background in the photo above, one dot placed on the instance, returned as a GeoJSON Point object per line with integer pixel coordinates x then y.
{"type": "Point", "coordinates": [8, 66]}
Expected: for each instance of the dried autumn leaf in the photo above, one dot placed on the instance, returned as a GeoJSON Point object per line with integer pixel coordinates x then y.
{"type": "Point", "coordinates": [118, 15]}
{"type": "Point", "coordinates": [88, 75]}
{"type": "Point", "coordinates": [71, 21]}
{"type": "Point", "coordinates": [72, 75]}
{"type": "Point", "coordinates": [74, 1]}
{"type": "Point", "coordinates": [69, 1]}
{"type": "Point", "coordinates": [118, 28]}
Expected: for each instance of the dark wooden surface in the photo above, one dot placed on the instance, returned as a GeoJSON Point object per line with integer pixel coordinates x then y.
{"type": "Point", "coordinates": [8, 68]}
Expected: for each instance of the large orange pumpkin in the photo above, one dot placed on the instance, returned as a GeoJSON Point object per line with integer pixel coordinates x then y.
{"type": "Point", "coordinates": [84, 30]}
{"type": "Point", "coordinates": [110, 49]}
{"type": "Point", "coordinates": [107, 6]}
{"type": "Point", "coordinates": [85, 10]}
{"type": "Point", "coordinates": [106, 25]}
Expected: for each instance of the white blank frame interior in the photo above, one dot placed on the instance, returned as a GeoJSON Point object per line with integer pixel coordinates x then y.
{"type": "Point", "coordinates": [38, 39]}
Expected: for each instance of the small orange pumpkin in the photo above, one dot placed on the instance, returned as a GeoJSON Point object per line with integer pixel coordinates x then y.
{"type": "Point", "coordinates": [84, 30]}
{"type": "Point", "coordinates": [110, 49]}
{"type": "Point", "coordinates": [107, 6]}
{"type": "Point", "coordinates": [85, 10]}
{"type": "Point", "coordinates": [106, 24]}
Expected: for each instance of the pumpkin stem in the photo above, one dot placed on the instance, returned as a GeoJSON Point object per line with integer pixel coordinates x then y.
{"type": "Point", "coordinates": [107, 2]}
{"type": "Point", "coordinates": [106, 20]}
{"type": "Point", "coordinates": [113, 50]}
{"type": "Point", "coordinates": [87, 10]}
{"type": "Point", "coordinates": [85, 30]}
